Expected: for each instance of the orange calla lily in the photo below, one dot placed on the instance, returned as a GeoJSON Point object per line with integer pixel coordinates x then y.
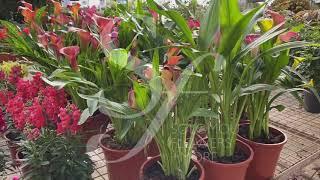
{"type": "Point", "coordinates": [27, 14]}
{"type": "Point", "coordinates": [57, 7]}
{"type": "Point", "coordinates": [174, 60]}
{"type": "Point", "coordinates": [75, 9]}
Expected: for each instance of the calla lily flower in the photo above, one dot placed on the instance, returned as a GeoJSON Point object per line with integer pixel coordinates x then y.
{"type": "Point", "coordinates": [26, 30]}
{"type": "Point", "coordinates": [71, 54]}
{"type": "Point", "coordinates": [148, 73]}
{"type": "Point", "coordinates": [132, 99]}
{"type": "Point", "coordinates": [87, 15]}
{"type": "Point", "coordinates": [154, 14]}
{"type": "Point", "coordinates": [43, 40]}
{"type": "Point", "coordinates": [62, 19]}
{"type": "Point", "coordinates": [174, 60]}
{"type": "Point", "coordinates": [297, 62]}
{"type": "Point", "coordinates": [27, 5]}
{"type": "Point", "coordinates": [265, 24]}
{"type": "Point", "coordinates": [57, 7]}
{"type": "Point", "coordinates": [276, 17]}
{"type": "Point", "coordinates": [289, 36]}
{"type": "Point", "coordinates": [27, 14]}
{"type": "Point", "coordinates": [103, 22]}
{"type": "Point", "coordinates": [3, 34]}
{"type": "Point", "coordinates": [251, 38]}
{"type": "Point", "coordinates": [193, 24]}
{"type": "Point", "coordinates": [75, 10]}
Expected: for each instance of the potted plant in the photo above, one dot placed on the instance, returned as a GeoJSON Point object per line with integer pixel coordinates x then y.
{"type": "Point", "coordinates": [266, 142]}
{"type": "Point", "coordinates": [308, 64]}
{"type": "Point", "coordinates": [172, 120]}
{"type": "Point", "coordinates": [223, 62]}
{"type": "Point", "coordinates": [54, 156]}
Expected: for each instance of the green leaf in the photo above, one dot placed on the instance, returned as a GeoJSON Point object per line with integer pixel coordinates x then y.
{"type": "Point", "coordinates": [119, 58]}
{"type": "Point", "coordinates": [256, 88]}
{"type": "Point", "coordinates": [56, 84]}
{"type": "Point", "coordinates": [141, 95]}
{"type": "Point", "coordinates": [156, 62]}
{"type": "Point", "coordinates": [40, 14]}
{"type": "Point", "coordinates": [209, 26]}
{"type": "Point", "coordinates": [84, 116]}
{"type": "Point", "coordinates": [201, 112]}
{"type": "Point", "coordinates": [278, 107]}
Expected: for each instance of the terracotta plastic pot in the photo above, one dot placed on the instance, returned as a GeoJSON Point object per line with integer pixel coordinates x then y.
{"type": "Point", "coordinates": [12, 143]}
{"type": "Point", "coordinates": [147, 164]}
{"type": "Point", "coordinates": [153, 149]}
{"type": "Point", "coordinates": [122, 169]}
{"type": "Point", "coordinates": [265, 157]}
{"type": "Point", "coordinates": [93, 126]}
{"type": "Point", "coordinates": [310, 102]}
{"type": "Point", "coordinates": [221, 171]}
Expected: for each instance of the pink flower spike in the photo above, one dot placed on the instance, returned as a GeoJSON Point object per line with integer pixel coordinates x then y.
{"type": "Point", "coordinates": [71, 53]}
{"type": "Point", "coordinates": [289, 36]}
{"type": "Point", "coordinates": [15, 178]}
{"type": "Point", "coordinates": [251, 38]}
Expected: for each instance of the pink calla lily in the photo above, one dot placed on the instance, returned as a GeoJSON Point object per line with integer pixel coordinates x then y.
{"type": "Point", "coordinates": [193, 24]}
{"type": "Point", "coordinates": [251, 38]}
{"type": "Point", "coordinates": [71, 54]}
{"type": "Point", "coordinates": [289, 36]}
{"type": "Point", "coordinates": [27, 5]}
{"type": "Point", "coordinates": [276, 17]}
{"type": "Point", "coordinates": [103, 22]}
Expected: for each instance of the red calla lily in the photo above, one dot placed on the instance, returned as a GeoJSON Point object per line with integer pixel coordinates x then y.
{"type": "Point", "coordinates": [103, 22]}
{"type": "Point", "coordinates": [71, 54]}
{"type": "Point", "coordinates": [3, 34]}
{"type": "Point", "coordinates": [154, 14]}
{"type": "Point", "coordinates": [193, 24]}
{"type": "Point", "coordinates": [174, 60]}
{"type": "Point", "coordinates": [289, 36]}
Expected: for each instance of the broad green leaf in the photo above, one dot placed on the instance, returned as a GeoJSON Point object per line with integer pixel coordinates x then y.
{"type": "Point", "coordinates": [209, 26]}
{"type": "Point", "coordinates": [141, 95]}
{"type": "Point", "coordinates": [119, 58]}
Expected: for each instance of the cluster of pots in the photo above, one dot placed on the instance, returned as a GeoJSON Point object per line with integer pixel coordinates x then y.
{"type": "Point", "coordinates": [260, 164]}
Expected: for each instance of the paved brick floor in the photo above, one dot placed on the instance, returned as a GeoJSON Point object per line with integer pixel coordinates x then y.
{"type": "Point", "coordinates": [299, 159]}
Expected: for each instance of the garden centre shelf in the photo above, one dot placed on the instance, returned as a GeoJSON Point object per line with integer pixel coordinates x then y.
{"type": "Point", "coordinates": [302, 148]}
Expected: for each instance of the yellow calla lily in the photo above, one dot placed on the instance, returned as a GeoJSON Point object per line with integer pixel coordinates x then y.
{"type": "Point", "coordinates": [265, 24]}
{"type": "Point", "coordinates": [297, 62]}
{"type": "Point", "coordinates": [309, 84]}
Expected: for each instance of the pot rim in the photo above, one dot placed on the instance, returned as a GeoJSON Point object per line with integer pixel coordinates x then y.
{"type": "Point", "coordinates": [247, 161]}
{"type": "Point", "coordinates": [262, 144]}
{"type": "Point", "coordinates": [10, 131]}
{"type": "Point", "coordinates": [158, 158]}
{"type": "Point", "coordinates": [116, 150]}
{"type": "Point", "coordinates": [18, 159]}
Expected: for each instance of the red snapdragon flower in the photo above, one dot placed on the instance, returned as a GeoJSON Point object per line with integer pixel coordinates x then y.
{"type": "Point", "coordinates": [69, 118]}
{"type": "Point", "coordinates": [71, 54]}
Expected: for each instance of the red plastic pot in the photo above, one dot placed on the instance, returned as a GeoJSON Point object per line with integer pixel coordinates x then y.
{"type": "Point", "coordinates": [153, 149]}
{"type": "Point", "coordinates": [12, 144]}
{"type": "Point", "coordinates": [93, 126]}
{"type": "Point", "coordinates": [147, 164]}
{"type": "Point", "coordinates": [220, 171]}
{"type": "Point", "coordinates": [126, 169]}
{"type": "Point", "coordinates": [265, 157]}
